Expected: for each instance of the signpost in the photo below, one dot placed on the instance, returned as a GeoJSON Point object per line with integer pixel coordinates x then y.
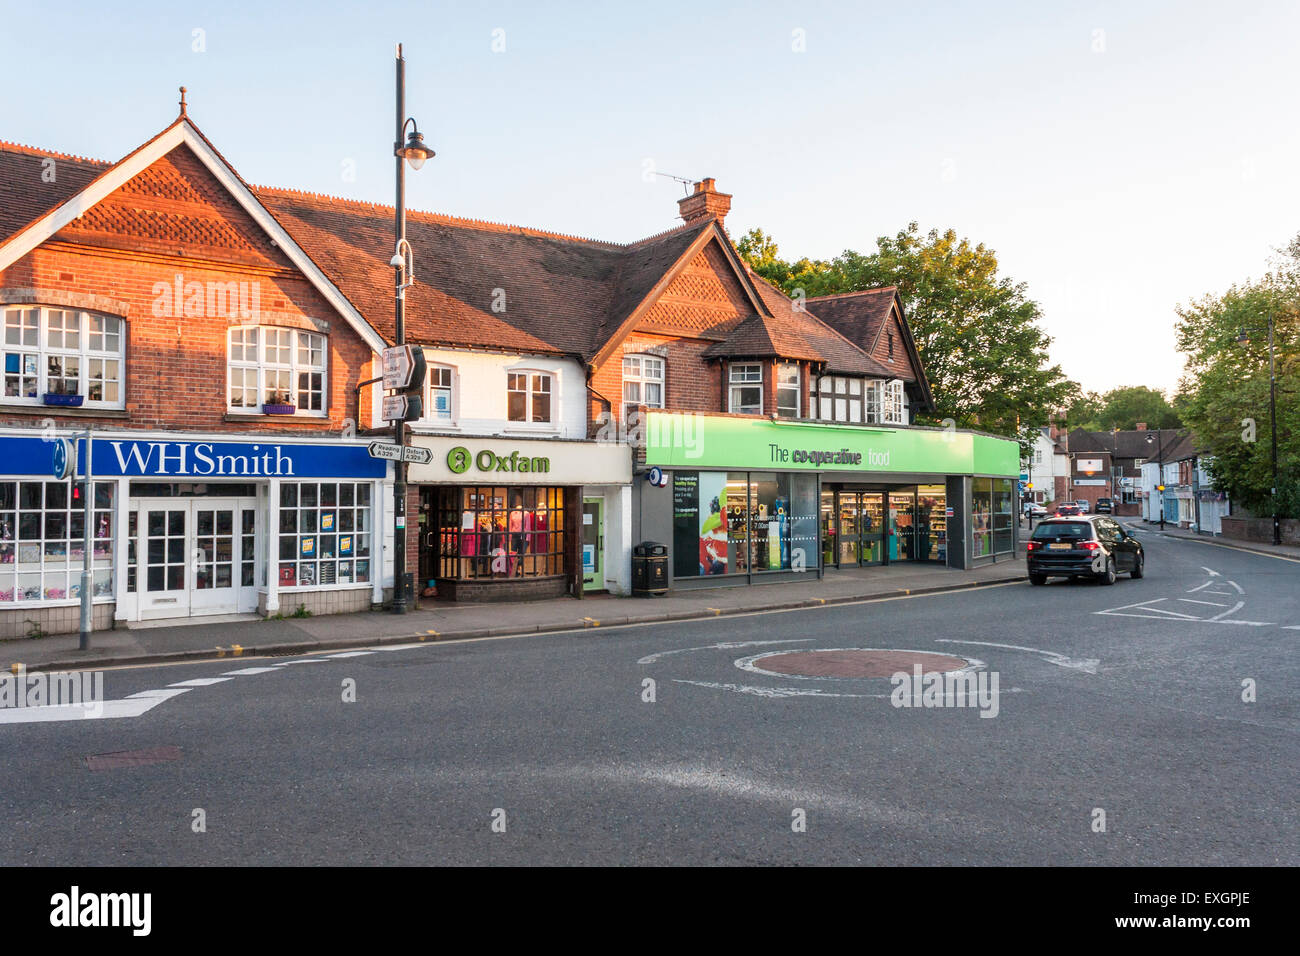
{"type": "Point", "coordinates": [379, 449]}
{"type": "Point", "coordinates": [402, 408]}
{"type": "Point", "coordinates": [404, 367]}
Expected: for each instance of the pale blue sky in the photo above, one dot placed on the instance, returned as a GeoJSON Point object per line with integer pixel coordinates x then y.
{"type": "Point", "coordinates": [1116, 172]}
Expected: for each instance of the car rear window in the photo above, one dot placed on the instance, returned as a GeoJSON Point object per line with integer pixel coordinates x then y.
{"type": "Point", "coordinates": [1072, 530]}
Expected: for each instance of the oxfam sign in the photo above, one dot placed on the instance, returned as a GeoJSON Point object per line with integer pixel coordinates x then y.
{"type": "Point", "coordinates": [459, 460]}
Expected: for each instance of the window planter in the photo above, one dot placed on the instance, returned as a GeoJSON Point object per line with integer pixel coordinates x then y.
{"type": "Point", "coordinates": [279, 409]}
{"type": "Point", "coordinates": [72, 401]}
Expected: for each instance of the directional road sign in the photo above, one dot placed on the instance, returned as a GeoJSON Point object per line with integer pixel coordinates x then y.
{"type": "Point", "coordinates": [387, 452]}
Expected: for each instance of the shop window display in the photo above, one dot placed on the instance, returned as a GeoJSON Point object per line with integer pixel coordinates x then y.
{"type": "Point", "coordinates": [736, 522]}
{"type": "Point", "coordinates": [500, 532]}
{"type": "Point", "coordinates": [42, 535]}
{"type": "Point", "coordinates": [324, 533]}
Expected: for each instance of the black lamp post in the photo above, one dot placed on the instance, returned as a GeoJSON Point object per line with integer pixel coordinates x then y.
{"type": "Point", "coordinates": [1244, 337]}
{"type": "Point", "coordinates": [414, 152]}
{"type": "Point", "coordinates": [1160, 475]}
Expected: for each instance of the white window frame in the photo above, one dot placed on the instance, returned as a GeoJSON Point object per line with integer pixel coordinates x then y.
{"type": "Point", "coordinates": [783, 386]}
{"type": "Point", "coordinates": [641, 379]}
{"type": "Point", "coordinates": [452, 389]}
{"type": "Point", "coordinates": [43, 352]}
{"type": "Point", "coordinates": [532, 380]}
{"type": "Point", "coordinates": [262, 366]}
{"type": "Point", "coordinates": [740, 376]}
{"type": "Point", "coordinates": [892, 408]}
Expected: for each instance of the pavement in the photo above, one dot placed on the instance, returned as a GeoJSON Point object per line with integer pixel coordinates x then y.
{"type": "Point", "coordinates": [444, 622]}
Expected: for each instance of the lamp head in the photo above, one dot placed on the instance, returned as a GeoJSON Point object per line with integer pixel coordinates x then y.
{"type": "Point", "coordinates": [415, 152]}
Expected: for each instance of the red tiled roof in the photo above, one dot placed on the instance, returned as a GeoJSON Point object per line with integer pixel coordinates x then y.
{"type": "Point", "coordinates": [25, 193]}
{"type": "Point", "coordinates": [858, 316]}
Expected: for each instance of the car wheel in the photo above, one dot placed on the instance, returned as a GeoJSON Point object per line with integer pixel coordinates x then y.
{"type": "Point", "coordinates": [1108, 576]}
{"type": "Point", "coordinates": [1038, 579]}
{"type": "Point", "coordinates": [1137, 569]}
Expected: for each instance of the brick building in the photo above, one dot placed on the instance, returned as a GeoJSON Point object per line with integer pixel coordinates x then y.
{"type": "Point", "coordinates": [221, 343]}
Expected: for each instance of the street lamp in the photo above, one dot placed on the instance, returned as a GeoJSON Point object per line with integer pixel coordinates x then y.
{"type": "Point", "coordinates": [1243, 337]}
{"type": "Point", "coordinates": [1160, 479]}
{"type": "Point", "coordinates": [414, 152]}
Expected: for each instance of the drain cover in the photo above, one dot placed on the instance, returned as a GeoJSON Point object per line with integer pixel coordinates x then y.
{"type": "Point", "coordinates": [133, 758]}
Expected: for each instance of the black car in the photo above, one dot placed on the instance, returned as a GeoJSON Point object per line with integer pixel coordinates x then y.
{"type": "Point", "coordinates": [1083, 546]}
{"type": "Point", "coordinates": [1105, 506]}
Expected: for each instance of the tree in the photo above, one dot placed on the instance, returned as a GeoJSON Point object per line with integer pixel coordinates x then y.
{"type": "Point", "coordinates": [1225, 389]}
{"type": "Point", "coordinates": [977, 332]}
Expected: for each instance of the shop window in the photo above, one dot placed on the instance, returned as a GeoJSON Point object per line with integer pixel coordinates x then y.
{"type": "Point", "coordinates": [500, 532]}
{"type": "Point", "coordinates": [278, 367]}
{"type": "Point", "coordinates": [441, 384]}
{"type": "Point", "coordinates": [746, 393]}
{"type": "Point", "coordinates": [528, 396]}
{"type": "Point", "coordinates": [324, 534]}
{"type": "Point", "coordinates": [1003, 502]}
{"type": "Point", "coordinates": [981, 514]}
{"type": "Point", "coordinates": [736, 522]}
{"type": "Point", "coordinates": [788, 388]}
{"type": "Point", "coordinates": [64, 353]}
{"type": "Point", "coordinates": [42, 541]}
{"type": "Point", "coordinates": [872, 405]}
{"type": "Point", "coordinates": [643, 380]}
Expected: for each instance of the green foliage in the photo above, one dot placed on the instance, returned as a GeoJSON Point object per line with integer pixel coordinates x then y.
{"type": "Point", "coordinates": [34, 630]}
{"type": "Point", "coordinates": [1122, 408]}
{"type": "Point", "coordinates": [977, 332]}
{"type": "Point", "coordinates": [1225, 386]}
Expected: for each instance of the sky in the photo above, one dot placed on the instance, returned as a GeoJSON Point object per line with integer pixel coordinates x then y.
{"type": "Point", "coordinates": [1120, 158]}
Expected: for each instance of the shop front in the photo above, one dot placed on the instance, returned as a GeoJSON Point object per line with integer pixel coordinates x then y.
{"type": "Point", "coordinates": [506, 519]}
{"type": "Point", "coordinates": [185, 527]}
{"type": "Point", "coordinates": [747, 500]}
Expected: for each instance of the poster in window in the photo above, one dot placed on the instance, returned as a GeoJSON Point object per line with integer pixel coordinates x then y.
{"type": "Point", "coordinates": [327, 521]}
{"type": "Point", "coordinates": [345, 545]}
{"type": "Point", "coordinates": [713, 522]}
{"type": "Point", "coordinates": [288, 576]}
{"type": "Point", "coordinates": [306, 574]}
{"type": "Point", "coordinates": [308, 548]}
{"type": "Point", "coordinates": [327, 572]}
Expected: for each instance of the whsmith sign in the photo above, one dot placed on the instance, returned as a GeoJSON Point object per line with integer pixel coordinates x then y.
{"type": "Point", "coordinates": [140, 458]}
{"type": "Point", "coordinates": [683, 441]}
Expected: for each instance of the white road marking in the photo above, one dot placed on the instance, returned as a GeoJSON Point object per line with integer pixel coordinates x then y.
{"type": "Point", "coordinates": [1145, 605]}
{"type": "Point", "coordinates": [1210, 571]}
{"type": "Point", "coordinates": [1202, 587]}
{"type": "Point", "coordinates": [782, 692]}
{"type": "Point", "coordinates": [200, 682]}
{"type": "Point", "coordinates": [349, 654]}
{"type": "Point", "coordinates": [166, 693]}
{"type": "Point", "coordinates": [1087, 665]}
{"type": "Point", "coordinates": [1237, 586]}
{"type": "Point", "coordinates": [1209, 603]}
{"type": "Point", "coordinates": [309, 660]}
{"type": "Point", "coordinates": [401, 647]}
{"type": "Point", "coordinates": [725, 646]}
{"type": "Point", "coordinates": [248, 670]}
{"type": "Point", "coordinates": [1291, 627]}
{"type": "Point", "coordinates": [133, 706]}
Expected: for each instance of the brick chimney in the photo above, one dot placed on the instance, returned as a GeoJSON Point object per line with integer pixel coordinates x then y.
{"type": "Point", "coordinates": [706, 201]}
{"type": "Point", "coordinates": [1141, 426]}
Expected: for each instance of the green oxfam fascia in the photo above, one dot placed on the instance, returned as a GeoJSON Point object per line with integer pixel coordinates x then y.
{"type": "Point", "coordinates": [677, 440]}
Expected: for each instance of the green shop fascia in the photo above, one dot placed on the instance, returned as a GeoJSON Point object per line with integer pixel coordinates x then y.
{"type": "Point", "coordinates": [743, 499]}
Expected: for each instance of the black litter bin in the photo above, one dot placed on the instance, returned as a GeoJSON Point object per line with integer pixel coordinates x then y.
{"type": "Point", "coordinates": [649, 569]}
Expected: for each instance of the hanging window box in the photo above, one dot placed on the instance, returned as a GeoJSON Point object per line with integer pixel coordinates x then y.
{"type": "Point", "coordinates": [279, 409]}
{"type": "Point", "coordinates": [72, 401]}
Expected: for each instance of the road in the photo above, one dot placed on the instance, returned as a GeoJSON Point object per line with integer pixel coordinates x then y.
{"type": "Point", "coordinates": [1126, 700]}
